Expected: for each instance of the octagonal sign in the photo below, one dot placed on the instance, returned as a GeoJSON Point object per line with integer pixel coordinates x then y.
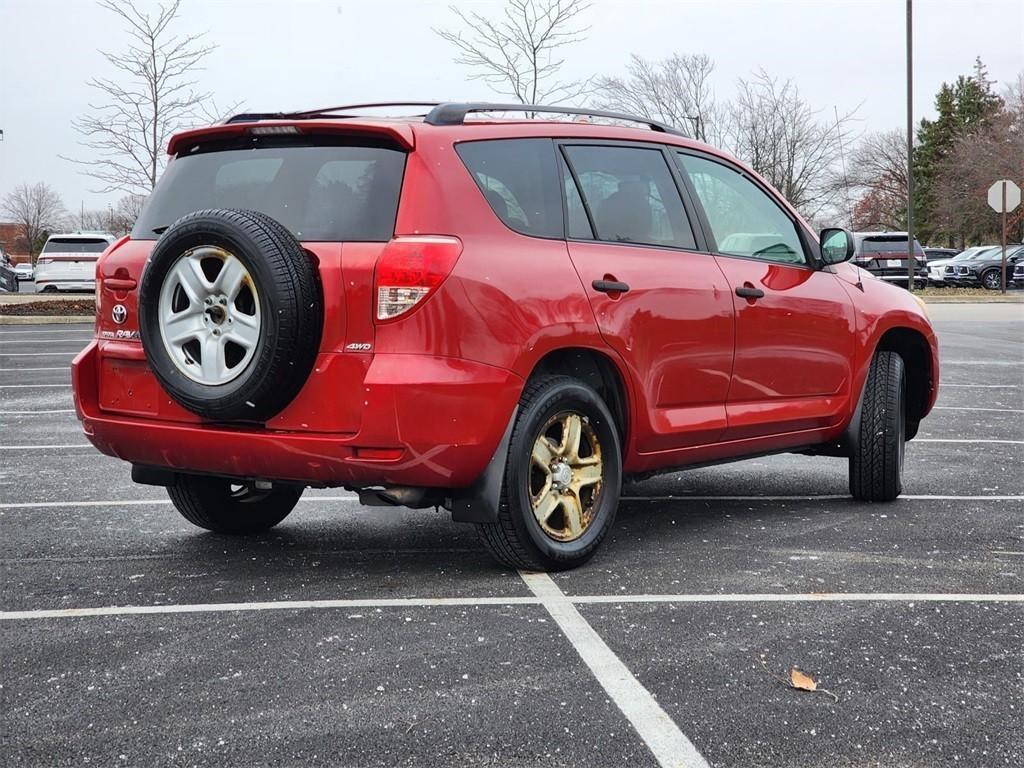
{"type": "Point", "coordinates": [995, 196]}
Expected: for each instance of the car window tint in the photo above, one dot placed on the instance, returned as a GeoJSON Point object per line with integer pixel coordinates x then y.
{"type": "Point", "coordinates": [631, 195]}
{"type": "Point", "coordinates": [519, 180]}
{"type": "Point", "coordinates": [578, 223]}
{"type": "Point", "coordinates": [744, 220]}
{"type": "Point", "coordinates": [321, 190]}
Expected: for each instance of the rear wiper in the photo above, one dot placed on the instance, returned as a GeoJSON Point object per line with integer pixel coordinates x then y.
{"type": "Point", "coordinates": [160, 230]}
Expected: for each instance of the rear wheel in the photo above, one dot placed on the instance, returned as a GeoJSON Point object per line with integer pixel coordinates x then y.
{"type": "Point", "coordinates": [876, 465]}
{"type": "Point", "coordinates": [224, 506]}
{"type": "Point", "coordinates": [562, 479]}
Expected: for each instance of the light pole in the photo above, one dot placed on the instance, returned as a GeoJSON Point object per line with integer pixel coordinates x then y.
{"type": "Point", "coordinates": [910, 147]}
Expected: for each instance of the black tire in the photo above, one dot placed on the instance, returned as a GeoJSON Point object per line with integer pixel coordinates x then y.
{"type": "Point", "coordinates": [876, 465]}
{"type": "Point", "coordinates": [992, 280]}
{"type": "Point", "coordinates": [290, 302]}
{"type": "Point", "coordinates": [219, 504]}
{"type": "Point", "coordinates": [517, 540]}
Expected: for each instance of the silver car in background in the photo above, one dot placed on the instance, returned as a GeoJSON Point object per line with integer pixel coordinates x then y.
{"type": "Point", "coordinates": [68, 261]}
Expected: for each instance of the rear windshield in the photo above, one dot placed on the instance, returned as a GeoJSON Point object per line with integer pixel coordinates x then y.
{"type": "Point", "coordinates": [889, 245]}
{"type": "Point", "coordinates": [75, 245]}
{"type": "Point", "coordinates": [321, 192]}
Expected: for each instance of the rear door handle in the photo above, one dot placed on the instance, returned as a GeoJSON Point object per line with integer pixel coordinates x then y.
{"type": "Point", "coordinates": [610, 286]}
{"type": "Point", "coordinates": [749, 292]}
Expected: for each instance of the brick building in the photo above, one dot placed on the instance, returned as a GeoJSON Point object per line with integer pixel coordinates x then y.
{"type": "Point", "coordinates": [13, 243]}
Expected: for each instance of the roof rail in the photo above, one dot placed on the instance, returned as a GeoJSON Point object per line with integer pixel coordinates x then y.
{"type": "Point", "coordinates": [455, 114]}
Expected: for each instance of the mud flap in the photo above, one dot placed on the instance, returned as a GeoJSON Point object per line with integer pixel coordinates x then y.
{"type": "Point", "coordinates": [479, 502]}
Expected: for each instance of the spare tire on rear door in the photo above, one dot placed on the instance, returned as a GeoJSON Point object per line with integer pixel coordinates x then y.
{"type": "Point", "coordinates": [230, 314]}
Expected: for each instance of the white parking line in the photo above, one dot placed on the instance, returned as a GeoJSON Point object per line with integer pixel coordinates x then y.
{"type": "Point", "coordinates": [427, 602]}
{"type": "Point", "coordinates": [352, 496]}
{"type": "Point", "coordinates": [983, 362]}
{"type": "Point", "coordinates": [960, 440]}
{"type": "Point", "coordinates": [47, 341]}
{"type": "Point", "coordinates": [38, 447]}
{"type": "Point", "coordinates": [20, 370]}
{"type": "Point", "coordinates": [980, 386]}
{"type": "Point", "coordinates": [964, 408]}
{"type": "Point", "coordinates": [34, 386]}
{"type": "Point", "coordinates": [33, 354]}
{"type": "Point", "coordinates": [662, 736]}
{"type": "Point", "coordinates": [36, 413]}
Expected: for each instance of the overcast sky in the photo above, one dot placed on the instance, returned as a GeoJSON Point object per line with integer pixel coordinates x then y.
{"type": "Point", "coordinates": [290, 54]}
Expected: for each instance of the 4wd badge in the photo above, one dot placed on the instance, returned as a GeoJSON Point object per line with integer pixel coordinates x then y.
{"type": "Point", "coordinates": [119, 313]}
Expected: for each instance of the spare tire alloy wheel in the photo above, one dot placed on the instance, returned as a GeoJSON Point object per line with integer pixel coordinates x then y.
{"type": "Point", "coordinates": [209, 315]}
{"type": "Point", "coordinates": [230, 314]}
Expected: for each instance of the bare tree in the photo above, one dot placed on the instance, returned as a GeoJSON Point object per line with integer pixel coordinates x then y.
{"type": "Point", "coordinates": [153, 96]}
{"type": "Point", "coordinates": [517, 54]}
{"type": "Point", "coordinates": [779, 134]}
{"type": "Point", "coordinates": [878, 177]}
{"type": "Point", "coordinates": [676, 91]}
{"type": "Point", "coordinates": [38, 210]}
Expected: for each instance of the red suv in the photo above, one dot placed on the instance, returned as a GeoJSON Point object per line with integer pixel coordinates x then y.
{"type": "Point", "coordinates": [502, 317]}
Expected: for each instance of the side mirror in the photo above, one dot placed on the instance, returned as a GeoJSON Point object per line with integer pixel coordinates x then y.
{"type": "Point", "coordinates": [836, 245]}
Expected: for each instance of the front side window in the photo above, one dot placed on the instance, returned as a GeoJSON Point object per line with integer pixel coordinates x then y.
{"type": "Point", "coordinates": [519, 180]}
{"type": "Point", "coordinates": [744, 220]}
{"type": "Point", "coordinates": [631, 196]}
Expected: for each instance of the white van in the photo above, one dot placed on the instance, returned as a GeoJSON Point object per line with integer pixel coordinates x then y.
{"type": "Point", "coordinates": [68, 262]}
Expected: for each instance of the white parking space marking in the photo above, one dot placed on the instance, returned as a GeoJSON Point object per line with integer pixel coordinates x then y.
{"type": "Point", "coordinates": [36, 413]}
{"type": "Point", "coordinates": [64, 384]}
{"type": "Point", "coordinates": [20, 370]}
{"type": "Point", "coordinates": [960, 440]}
{"type": "Point", "coordinates": [38, 447]}
{"type": "Point", "coordinates": [353, 497]}
{"type": "Point", "coordinates": [47, 341]}
{"type": "Point", "coordinates": [667, 743]}
{"type": "Point", "coordinates": [980, 386]}
{"type": "Point", "coordinates": [428, 602]}
{"type": "Point", "coordinates": [965, 408]}
{"type": "Point", "coordinates": [34, 354]}
{"type": "Point", "coordinates": [984, 362]}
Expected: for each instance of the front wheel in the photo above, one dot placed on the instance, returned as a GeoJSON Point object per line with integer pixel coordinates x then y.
{"type": "Point", "coordinates": [223, 505]}
{"type": "Point", "coordinates": [562, 479]}
{"type": "Point", "coordinates": [876, 464]}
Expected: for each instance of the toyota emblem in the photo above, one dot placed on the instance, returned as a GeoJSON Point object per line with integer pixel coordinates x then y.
{"type": "Point", "coordinates": [119, 313]}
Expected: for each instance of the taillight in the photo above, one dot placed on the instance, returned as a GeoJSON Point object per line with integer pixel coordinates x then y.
{"type": "Point", "coordinates": [410, 268]}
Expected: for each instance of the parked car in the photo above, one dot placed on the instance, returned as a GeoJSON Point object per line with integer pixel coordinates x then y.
{"type": "Point", "coordinates": [984, 268]}
{"type": "Point", "coordinates": [938, 258]}
{"type": "Point", "coordinates": [68, 261]}
{"type": "Point", "coordinates": [504, 318]}
{"type": "Point", "coordinates": [940, 270]}
{"type": "Point", "coordinates": [884, 254]}
{"type": "Point", "coordinates": [1018, 274]}
{"type": "Point", "coordinates": [23, 270]}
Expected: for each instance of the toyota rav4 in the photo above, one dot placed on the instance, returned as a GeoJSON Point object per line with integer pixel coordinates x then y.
{"type": "Point", "coordinates": [501, 317]}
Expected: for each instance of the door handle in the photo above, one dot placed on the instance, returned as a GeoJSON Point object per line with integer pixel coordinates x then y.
{"type": "Point", "coordinates": [610, 286]}
{"type": "Point", "coordinates": [749, 292]}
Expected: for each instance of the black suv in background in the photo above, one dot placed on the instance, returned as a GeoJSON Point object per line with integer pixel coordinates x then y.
{"type": "Point", "coordinates": [983, 270]}
{"type": "Point", "coordinates": [884, 254]}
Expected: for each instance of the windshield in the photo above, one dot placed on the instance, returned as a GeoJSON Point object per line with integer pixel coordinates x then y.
{"type": "Point", "coordinates": [320, 192]}
{"type": "Point", "coordinates": [75, 245]}
{"type": "Point", "coordinates": [973, 253]}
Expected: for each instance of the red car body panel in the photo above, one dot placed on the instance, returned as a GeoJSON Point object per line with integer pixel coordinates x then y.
{"type": "Point", "coordinates": [424, 399]}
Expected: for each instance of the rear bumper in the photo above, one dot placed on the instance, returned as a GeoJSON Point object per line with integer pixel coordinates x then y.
{"type": "Point", "coordinates": [426, 421]}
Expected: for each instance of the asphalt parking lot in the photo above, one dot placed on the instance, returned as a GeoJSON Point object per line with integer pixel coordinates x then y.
{"type": "Point", "coordinates": [361, 637]}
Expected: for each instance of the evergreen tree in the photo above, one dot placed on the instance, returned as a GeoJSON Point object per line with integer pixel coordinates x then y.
{"type": "Point", "coordinates": [964, 108]}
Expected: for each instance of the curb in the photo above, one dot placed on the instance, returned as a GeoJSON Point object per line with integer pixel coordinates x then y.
{"type": "Point", "coordinates": [45, 319]}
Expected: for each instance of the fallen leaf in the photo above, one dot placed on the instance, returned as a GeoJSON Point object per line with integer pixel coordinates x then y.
{"type": "Point", "coordinates": [801, 680]}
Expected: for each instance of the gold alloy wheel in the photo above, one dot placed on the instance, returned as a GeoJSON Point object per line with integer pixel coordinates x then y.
{"type": "Point", "coordinates": [565, 476]}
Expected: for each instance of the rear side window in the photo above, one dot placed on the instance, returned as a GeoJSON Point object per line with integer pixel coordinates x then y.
{"type": "Point", "coordinates": [320, 192]}
{"type": "Point", "coordinates": [631, 195]}
{"type": "Point", "coordinates": [519, 180]}
{"type": "Point", "coordinates": [75, 245]}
